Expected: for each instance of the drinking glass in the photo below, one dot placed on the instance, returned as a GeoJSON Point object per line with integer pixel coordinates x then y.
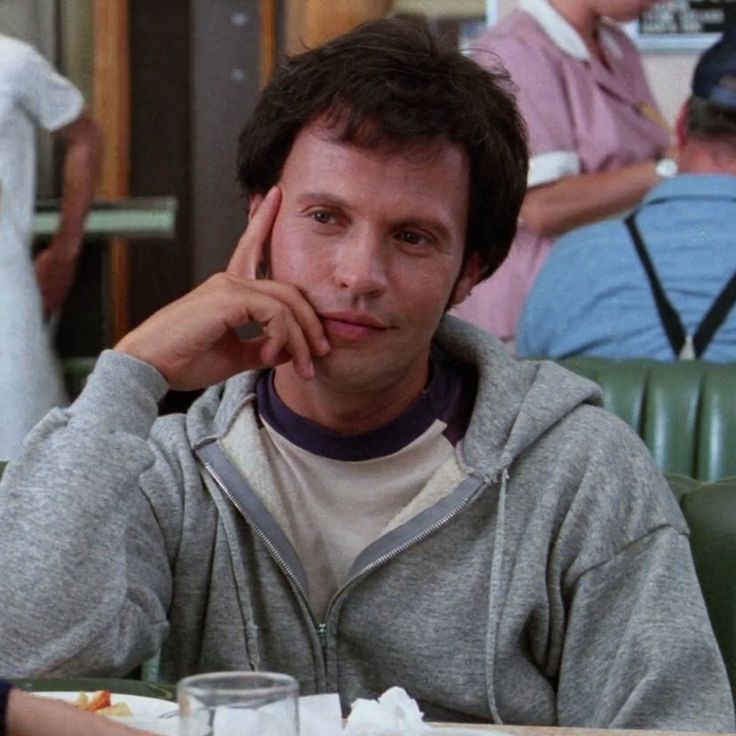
{"type": "Point", "coordinates": [238, 704]}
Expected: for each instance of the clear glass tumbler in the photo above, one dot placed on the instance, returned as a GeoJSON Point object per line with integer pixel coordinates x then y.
{"type": "Point", "coordinates": [238, 704]}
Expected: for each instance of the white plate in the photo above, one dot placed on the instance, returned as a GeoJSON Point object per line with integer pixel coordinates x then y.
{"type": "Point", "coordinates": [480, 730]}
{"type": "Point", "coordinates": [141, 706]}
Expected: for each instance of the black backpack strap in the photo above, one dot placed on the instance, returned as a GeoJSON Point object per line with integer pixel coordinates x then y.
{"type": "Point", "coordinates": [715, 316]}
{"type": "Point", "coordinates": [670, 319]}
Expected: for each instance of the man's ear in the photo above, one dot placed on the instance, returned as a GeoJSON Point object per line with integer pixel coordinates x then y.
{"type": "Point", "coordinates": [468, 278]}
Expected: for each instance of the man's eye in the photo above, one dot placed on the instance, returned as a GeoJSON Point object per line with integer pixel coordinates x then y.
{"type": "Point", "coordinates": [323, 217]}
{"type": "Point", "coordinates": [411, 237]}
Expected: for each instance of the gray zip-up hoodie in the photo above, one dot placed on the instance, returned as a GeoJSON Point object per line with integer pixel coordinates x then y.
{"type": "Point", "coordinates": [550, 582]}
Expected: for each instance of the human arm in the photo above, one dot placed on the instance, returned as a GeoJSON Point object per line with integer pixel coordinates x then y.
{"type": "Point", "coordinates": [55, 104]}
{"type": "Point", "coordinates": [638, 650]}
{"type": "Point", "coordinates": [29, 715]}
{"type": "Point", "coordinates": [87, 559]}
{"type": "Point", "coordinates": [90, 511]}
{"type": "Point", "coordinates": [572, 201]}
{"type": "Point", "coordinates": [657, 664]}
{"type": "Point", "coordinates": [56, 264]}
{"type": "Point", "coordinates": [578, 136]}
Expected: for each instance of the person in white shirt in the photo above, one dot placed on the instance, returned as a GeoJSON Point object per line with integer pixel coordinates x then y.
{"type": "Point", "coordinates": [33, 95]}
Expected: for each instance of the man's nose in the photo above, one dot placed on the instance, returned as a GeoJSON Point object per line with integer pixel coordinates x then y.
{"type": "Point", "coordinates": [360, 265]}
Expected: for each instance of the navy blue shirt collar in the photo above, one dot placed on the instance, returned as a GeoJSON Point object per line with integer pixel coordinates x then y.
{"type": "Point", "coordinates": [448, 397]}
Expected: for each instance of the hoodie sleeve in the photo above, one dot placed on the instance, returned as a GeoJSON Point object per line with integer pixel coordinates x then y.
{"type": "Point", "coordinates": [659, 661]}
{"type": "Point", "coordinates": [86, 555]}
{"type": "Point", "coordinates": [638, 648]}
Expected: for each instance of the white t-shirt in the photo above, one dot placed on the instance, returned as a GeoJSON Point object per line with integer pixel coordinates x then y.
{"type": "Point", "coordinates": [340, 493]}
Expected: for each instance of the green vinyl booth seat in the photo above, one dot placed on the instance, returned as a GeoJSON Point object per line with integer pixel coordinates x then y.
{"type": "Point", "coordinates": [75, 371]}
{"type": "Point", "coordinates": [710, 511]}
{"type": "Point", "coordinates": [685, 412]}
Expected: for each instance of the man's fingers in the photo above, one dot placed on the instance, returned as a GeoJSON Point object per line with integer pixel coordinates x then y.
{"type": "Point", "coordinates": [249, 250]}
{"type": "Point", "coordinates": [304, 316]}
{"type": "Point", "coordinates": [283, 339]}
{"type": "Point", "coordinates": [291, 340]}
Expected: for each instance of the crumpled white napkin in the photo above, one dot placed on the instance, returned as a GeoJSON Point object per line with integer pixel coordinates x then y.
{"type": "Point", "coordinates": [393, 714]}
{"type": "Point", "coordinates": [320, 715]}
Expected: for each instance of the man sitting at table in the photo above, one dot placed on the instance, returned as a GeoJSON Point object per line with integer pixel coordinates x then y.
{"type": "Point", "coordinates": [660, 283]}
{"type": "Point", "coordinates": [370, 493]}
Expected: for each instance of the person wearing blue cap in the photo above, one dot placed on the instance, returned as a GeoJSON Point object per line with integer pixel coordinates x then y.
{"type": "Point", "coordinates": [661, 282]}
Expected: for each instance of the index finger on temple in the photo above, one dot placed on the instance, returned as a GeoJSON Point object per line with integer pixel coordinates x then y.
{"type": "Point", "coordinates": [247, 254]}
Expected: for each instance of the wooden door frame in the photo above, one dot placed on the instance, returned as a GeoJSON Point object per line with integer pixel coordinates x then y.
{"type": "Point", "coordinates": [111, 107]}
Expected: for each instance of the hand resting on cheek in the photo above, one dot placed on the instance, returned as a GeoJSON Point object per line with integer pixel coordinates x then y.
{"type": "Point", "coordinates": [194, 342]}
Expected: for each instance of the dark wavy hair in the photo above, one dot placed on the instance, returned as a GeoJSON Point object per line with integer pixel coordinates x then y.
{"type": "Point", "coordinates": [392, 83]}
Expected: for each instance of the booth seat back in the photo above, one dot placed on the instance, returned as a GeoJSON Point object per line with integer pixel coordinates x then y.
{"type": "Point", "coordinates": [75, 371]}
{"type": "Point", "coordinates": [685, 412]}
{"type": "Point", "coordinates": [710, 511]}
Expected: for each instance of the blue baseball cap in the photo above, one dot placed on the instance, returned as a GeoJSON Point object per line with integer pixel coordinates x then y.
{"type": "Point", "coordinates": [717, 63]}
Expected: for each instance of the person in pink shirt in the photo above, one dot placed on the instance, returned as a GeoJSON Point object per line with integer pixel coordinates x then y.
{"type": "Point", "coordinates": [597, 141]}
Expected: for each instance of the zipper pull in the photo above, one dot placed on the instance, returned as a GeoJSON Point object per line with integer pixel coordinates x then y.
{"type": "Point", "coordinates": [322, 633]}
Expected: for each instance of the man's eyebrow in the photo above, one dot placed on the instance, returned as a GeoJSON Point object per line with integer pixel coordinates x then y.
{"type": "Point", "coordinates": [323, 198]}
{"type": "Point", "coordinates": [414, 220]}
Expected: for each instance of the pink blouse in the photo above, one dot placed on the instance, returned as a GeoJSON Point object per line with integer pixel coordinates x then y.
{"type": "Point", "coordinates": [583, 116]}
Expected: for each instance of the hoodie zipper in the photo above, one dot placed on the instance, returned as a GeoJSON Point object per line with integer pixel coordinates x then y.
{"type": "Point", "coordinates": [320, 628]}
{"type": "Point", "coordinates": [422, 535]}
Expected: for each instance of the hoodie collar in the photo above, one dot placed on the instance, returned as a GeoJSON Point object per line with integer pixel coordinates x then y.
{"type": "Point", "coordinates": [563, 34]}
{"type": "Point", "coordinates": [516, 400]}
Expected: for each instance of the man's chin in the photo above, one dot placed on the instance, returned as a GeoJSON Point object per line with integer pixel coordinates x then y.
{"type": "Point", "coordinates": [345, 369]}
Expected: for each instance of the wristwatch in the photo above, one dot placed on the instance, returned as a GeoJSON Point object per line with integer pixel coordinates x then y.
{"type": "Point", "coordinates": [666, 168]}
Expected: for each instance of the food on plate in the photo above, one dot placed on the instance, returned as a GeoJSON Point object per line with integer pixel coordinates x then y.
{"type": "Point", "coordinates": [101, 703]}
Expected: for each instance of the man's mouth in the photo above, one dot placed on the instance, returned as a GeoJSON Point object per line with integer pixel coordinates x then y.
{"type": "Point", "coordinates": [352, 326]}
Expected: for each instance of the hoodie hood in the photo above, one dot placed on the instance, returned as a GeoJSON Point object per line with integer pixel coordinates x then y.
{"type": "Point", "coordinates": [518, 400]}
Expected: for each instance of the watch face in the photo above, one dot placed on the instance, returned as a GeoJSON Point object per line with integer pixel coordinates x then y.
{"type": "Point", "coordinates": [666, 168]}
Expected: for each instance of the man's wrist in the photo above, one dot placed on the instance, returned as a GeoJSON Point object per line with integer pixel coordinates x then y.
{"type": "Point", "coordinates": [130, 350]}
{"type": "Point", "coordinates": [122, 393]}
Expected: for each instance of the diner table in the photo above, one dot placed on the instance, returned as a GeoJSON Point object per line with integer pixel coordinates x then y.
{"type": "Point", "coordinates": [569, 731]}
{"type": "Point", "coordinates": [168, 692]}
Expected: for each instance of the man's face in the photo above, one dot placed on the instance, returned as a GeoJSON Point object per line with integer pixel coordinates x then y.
{"type": "Point", "coordinates": [374, 239]}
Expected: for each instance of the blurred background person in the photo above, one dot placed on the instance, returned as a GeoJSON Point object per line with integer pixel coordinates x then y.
{"type": "Point", "coordinates": [32, 95]}
{"type": "Point", "coordinates": [23, 714]}
{"type": "Point", "coordinates": [596, 135]}
{"type": "Point", "coordinates": [660, 283]}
